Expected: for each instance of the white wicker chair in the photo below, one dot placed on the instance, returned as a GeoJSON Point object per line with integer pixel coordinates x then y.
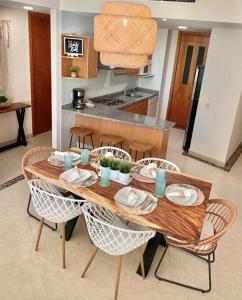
{"type": "Point", "coordinates": [112, 236]}
{"type": "Point", "coordinates": [162, 163]}
{"type": "Point", "coordinates": [52, 206]}
{"type": "Point", "coordinates": [33, 156]}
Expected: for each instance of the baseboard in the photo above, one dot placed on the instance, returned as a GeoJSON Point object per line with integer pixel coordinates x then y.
{"type": "Point", "coordinates": [14, 141]}
{"type": "Point", "coordinates": [215, 163]}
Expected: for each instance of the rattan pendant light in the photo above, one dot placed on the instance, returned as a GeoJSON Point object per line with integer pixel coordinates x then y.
{"type": "Point", "coordinates": [124, 34]}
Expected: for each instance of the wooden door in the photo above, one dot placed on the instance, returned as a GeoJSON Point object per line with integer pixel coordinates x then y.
{"type": "Point", "coordinates": [40, 70]}
{"type": "Point", "coordinates": [191, 51]}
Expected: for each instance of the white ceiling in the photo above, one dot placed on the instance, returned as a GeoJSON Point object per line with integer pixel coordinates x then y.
{"type": "Point", "coordinates": [194, 25]}
{"type": "Point", "coordinates": [17, 5]}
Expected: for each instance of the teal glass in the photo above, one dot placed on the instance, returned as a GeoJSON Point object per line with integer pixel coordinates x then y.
{"type": "Point", "coordinates": [105, 176]}
{"type": "Point", "coordinates": [160, 183]}
{"type": "Point", "coordinates": [68, 159]}
{"type": "Point", "coordinates": [85, 156]}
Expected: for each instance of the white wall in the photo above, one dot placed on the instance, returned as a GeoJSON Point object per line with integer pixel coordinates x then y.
{"type": "Point", "coordinates": [19, 72]}
{"type": "Point", "coordinates": [236, 137]}
{"type": "Point", "coordinates": [168, 72]}
{"type": "Point", "coordinates": [219, 98]}
{"type": "Point", "coordinates": [158, 58]}
{"type": "Point", "coordinates": [203, 10]}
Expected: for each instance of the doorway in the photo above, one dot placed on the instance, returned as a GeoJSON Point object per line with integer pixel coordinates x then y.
{"type": "Point", "coordinates": [191, 52]}
{"type": "Point", "coordinates": [40, 71]}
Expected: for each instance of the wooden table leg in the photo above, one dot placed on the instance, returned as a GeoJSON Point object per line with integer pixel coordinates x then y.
{"type": "Point", "coordinates": [150, 251]}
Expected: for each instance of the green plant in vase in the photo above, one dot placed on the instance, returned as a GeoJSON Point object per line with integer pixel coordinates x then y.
{"type": "Point", "coordinates": [124, 171]}
{"type": "Point", "coordinates": [74, 70]}
{"type": "Point", "coordinates": [105, 171]}
{"type": "Point", "coordinates": [114, 166]}
{"type": "Point", "coordinates": [3, 99]}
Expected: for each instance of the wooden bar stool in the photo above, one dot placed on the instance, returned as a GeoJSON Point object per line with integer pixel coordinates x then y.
{"type": "Point", "coordinates": [139, 147]}
{"type": "Point", "coordinates": [111, 140]}
{"type": "Point", "coordinates": [81, 132]}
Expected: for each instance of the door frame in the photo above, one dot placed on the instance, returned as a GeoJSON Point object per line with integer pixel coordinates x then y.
{"type": "Point", "coordinates": [178, 47]}
{"type": "Point", "coordinates": [43, 15]}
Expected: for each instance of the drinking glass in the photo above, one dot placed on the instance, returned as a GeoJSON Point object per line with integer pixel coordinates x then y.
{"type": "Point", "coordinates": [84, 156]}
{"type": "Point", "coordinates": [160, 183]}
{"type": "Point", "coordinates": [68, 159]}
{"type": "Point", "coordinates": [105, 176]}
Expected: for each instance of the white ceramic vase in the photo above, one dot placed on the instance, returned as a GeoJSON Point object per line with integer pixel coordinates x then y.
{"type": "Point", "coordinates": [73, 74]}
{"type": "Point", "coordinates": [114, 174]}
{"type": "Point", "coordinates": [124, 178]}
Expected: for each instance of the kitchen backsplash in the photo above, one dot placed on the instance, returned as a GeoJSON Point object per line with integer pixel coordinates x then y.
{"type": "Point", "coordinates": [105, 83]}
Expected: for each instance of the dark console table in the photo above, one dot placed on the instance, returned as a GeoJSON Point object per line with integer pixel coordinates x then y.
{"type": "Point", "coordinates": [19, 108]}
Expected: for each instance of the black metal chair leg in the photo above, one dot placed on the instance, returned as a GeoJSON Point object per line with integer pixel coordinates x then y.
{"type": "Point", "coordinates": [144, 155]}
{"type": "Point", "coordinates": [33, 216]}
{"type": "Point", "coordinates": [83, 143]}
{"type": "Point", "coordinates": [79, 142]}
{"type": "Point", "coordinates": [92, 142]}
{"type": "Point", "coordinates": [71, 140]}
{"type": "Point", "coordinates": [121, 146]}
{"type": "Point", "coordinates": [150, 154]}
{"type": "Point", "coordinates": [185, 285]}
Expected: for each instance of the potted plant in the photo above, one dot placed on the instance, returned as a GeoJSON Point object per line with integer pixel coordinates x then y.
{"type": "Point", "coordinates": [105, 171]}
{"type": "Point", "coordinates": [3, 101]}
{"type": "Point", "coordinates": [114, 166]}
{"type": "Point", "coordinates": [74, 70]}
{"type": "Point", "coordinates": [124, 171]}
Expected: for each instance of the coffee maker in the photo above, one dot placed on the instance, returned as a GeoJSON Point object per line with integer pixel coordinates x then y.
{"type": "Point", "coordinates": [78, 96]}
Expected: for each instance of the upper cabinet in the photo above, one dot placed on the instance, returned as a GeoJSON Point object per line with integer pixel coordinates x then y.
{"type": "Point", "coordinates": [78, 52]}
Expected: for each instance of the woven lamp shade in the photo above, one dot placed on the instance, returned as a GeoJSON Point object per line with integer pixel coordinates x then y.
{"type": "Point", "coordinates": [124, 34]}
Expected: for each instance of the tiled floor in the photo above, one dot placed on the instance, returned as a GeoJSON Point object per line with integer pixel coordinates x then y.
{"type": "Point", "coordinates": [26, 274]}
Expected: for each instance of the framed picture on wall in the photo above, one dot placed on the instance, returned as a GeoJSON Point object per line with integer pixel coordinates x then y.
{"type": "Point", "coordinates": [73, 46]}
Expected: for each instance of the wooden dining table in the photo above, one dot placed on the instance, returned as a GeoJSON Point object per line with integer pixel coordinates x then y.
{"type": "Point", "coordinates": [182, 222]}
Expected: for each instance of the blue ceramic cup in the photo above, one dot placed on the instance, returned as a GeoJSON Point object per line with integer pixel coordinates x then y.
{"type": "Point", "coordinates": [85, 156]}
{"type": "Point", "coordinates": [160, 183]}
{"type": "Point", "coordinates": [68, 159]}
{"type": "Point", "coordinates": [105, 176]}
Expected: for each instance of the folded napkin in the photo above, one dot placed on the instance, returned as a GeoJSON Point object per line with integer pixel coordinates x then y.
{"type": "Point", "coordinates": [75, 175]}
{"type": "Point", "coordinates": [184, 194]}
{"type": "Point", "coordinates": [151, 168]}
{"type": "Point", "coordinates": [132, 197]}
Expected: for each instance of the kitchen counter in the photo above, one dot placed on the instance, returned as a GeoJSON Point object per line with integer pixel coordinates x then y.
{"type": "Point", "coordinates": [114, 113]}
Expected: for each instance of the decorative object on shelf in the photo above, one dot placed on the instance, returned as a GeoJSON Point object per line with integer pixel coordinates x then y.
{"type": "Point", "coordinates": [124, 34]}
{"type": "Point", "coordinates": [4, 44]}
{"type": "Point", "coordinates": [74, 70]}
{"type": "Point", "coordinates": [73, 46]}
{"type": "Point", "coordinates": [124, 171]}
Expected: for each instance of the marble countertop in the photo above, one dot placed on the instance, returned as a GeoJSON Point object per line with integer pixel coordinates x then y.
{"type": "Point", "coordinates": [114, 113]}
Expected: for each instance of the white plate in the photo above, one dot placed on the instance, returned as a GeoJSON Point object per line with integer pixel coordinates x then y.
{"type": "Point", "coordinates": [84, 175]}
{"type": "Point", "coordinates": [122, 196]}
{"type": "Point", "coordinates": [58, 163]}
{"type": "Point", "coordinates": [181, 200]}
{"type": "Point", "coordinates": [146, 173]}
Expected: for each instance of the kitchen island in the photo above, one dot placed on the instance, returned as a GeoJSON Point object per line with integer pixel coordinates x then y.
{"type": "Point", "coordinates": [119, 118]}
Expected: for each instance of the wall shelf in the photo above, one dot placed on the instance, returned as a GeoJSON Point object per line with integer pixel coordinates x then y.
{"type": "Point", "coordinates": [87, 63]}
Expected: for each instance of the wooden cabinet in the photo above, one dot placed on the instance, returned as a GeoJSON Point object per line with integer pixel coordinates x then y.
{"type": "Point", "coordinates": [140, 108]}
{"type": "Point", "coordinates": [87, 63]}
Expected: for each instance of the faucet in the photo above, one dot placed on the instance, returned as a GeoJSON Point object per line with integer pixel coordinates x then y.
{"type": "Point", "coordinates": [125, 91]}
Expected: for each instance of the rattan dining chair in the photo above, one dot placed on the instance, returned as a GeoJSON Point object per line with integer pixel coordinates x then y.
{"type": "Point", "coordinates": [161, 163]}
{"type": "Point", "coordinates": [52, 206]}
{"type": "Point", "coordinates": [31, 157]}
{"type": "Point", "coordinates": [116, 152]}
{"type": "Point", "coordinates": [112, 236]}
{"type": "Point", "coordinates": [220, 216]}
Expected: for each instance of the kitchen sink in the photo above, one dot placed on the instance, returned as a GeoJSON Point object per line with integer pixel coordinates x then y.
{"type": "Point", "coordinates": [133, 95]}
